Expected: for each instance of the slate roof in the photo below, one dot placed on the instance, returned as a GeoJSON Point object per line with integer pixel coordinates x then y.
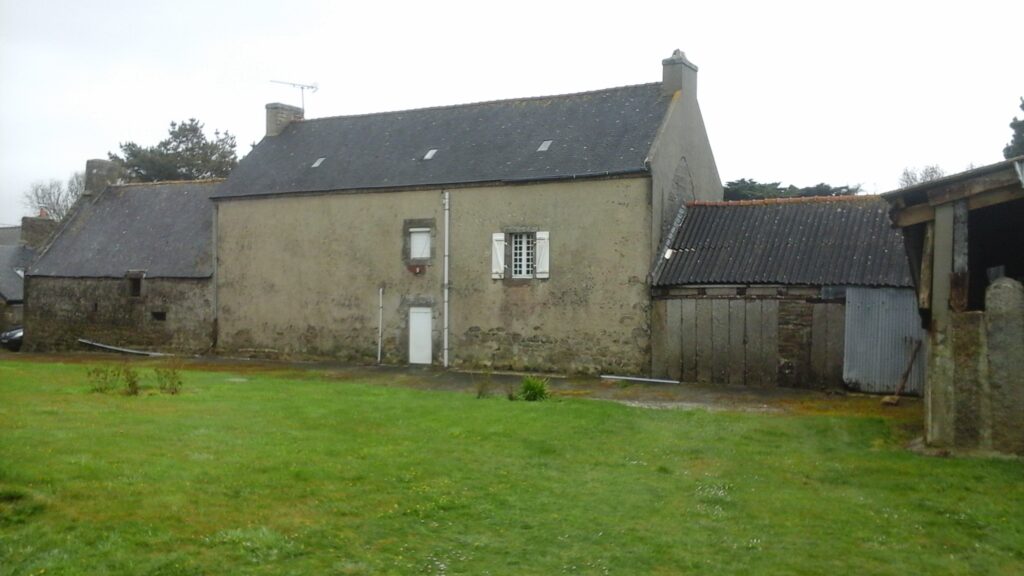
{"type": "Point", "coordinates": [842, 241]}
{"type": "Point", "coordinates": [13, 257]}
{"type": "Point", "coordinates": [163, 228]}
{"type": "Point", "coordinates": [593, 133]}
{"type": "Point", "coordinates": [10, 235]}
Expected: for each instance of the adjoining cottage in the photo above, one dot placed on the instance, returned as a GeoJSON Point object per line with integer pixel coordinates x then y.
{"type": "Point", "coordinates": [132, 266]}
{"type": "Point", "coordinates": [510, 234]}
{"type": "Point", "coordinates": [18, 248]}
{"type": "Point", "coordinates": [807, 292]}
{"type": "Point", "coordinates": [965, 238]}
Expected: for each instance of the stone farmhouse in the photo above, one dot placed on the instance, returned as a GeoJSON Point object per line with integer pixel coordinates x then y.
{"type": "Point", "coordinates": [19, 246]}
{"type": "Point", "coordinates": [516, 234]}
{"type": "Point", "coordinates": [131, 266]}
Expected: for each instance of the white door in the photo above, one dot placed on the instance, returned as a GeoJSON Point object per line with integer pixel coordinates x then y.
{"type": "Point", "coordinates": [420, 320]}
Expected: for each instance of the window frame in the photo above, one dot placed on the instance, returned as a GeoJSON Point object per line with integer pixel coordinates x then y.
{"type": "Point", "coordinates": [537, 245]}
{"type": "Point", "coordinates": [410, 225]}
{"type": "Point", "coordinates": [527, 259]}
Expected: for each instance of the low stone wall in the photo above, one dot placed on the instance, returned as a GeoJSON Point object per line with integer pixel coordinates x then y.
{"type": "Point", "coordinates": [170, 314]}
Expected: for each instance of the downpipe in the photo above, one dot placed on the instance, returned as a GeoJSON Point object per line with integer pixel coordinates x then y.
{"type": "Point", "coordinates": [447, 230]}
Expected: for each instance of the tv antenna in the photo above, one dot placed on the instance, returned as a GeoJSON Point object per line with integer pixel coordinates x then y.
{"type": "Point", "coordinates": [302, 89]}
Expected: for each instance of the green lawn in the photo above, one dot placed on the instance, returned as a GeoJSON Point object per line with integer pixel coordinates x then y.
{"type": "Point", "coordinates": [301, 474]}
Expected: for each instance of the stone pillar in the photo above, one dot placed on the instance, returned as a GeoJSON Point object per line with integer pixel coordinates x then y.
{"type": "Point", "coordinates": [1004, 324]}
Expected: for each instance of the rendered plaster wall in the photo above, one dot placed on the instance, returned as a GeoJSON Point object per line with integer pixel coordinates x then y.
{"type": "Point", "coordinates": [975, 392]}
{"type": "Point", "coordinates": [683, 166]}
{"type": "Point", "coordinates": [59, 311]}
{"type": "Point", "coordinates": [300, 276]}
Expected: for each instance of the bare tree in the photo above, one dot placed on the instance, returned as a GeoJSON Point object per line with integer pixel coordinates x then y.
{"type": "Point", "coordinates": [912, 176]}
{"type": "Point", "coordinates": [54, 199]}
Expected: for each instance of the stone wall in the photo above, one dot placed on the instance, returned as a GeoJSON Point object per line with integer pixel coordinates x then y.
{"type": "Point", "coordinates": [36, 232]}
{"type": "Point", "coordinates": [975, 392]}
{"type": "Point", "coordinates": [10, 315]}
{"type": "Point", "coordinates": [171, 314]}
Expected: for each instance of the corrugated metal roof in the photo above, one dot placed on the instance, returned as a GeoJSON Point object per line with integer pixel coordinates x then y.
{"type": "Point", "coordinates": [592, 133]}
{"type": "Point", "coordinates": [163, 228]}
{"type": "Point", "coordinates": [827, 241]}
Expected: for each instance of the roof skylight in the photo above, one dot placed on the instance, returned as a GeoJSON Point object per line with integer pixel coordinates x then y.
{"type": "Point", "coordinates": [430, 154]}
{"type": "Point", "coordinates": [544, 146]}
{"type": "Point", "coordinates": [318, 162]}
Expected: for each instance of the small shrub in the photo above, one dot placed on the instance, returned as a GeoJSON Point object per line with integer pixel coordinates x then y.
{"type": "Point", "coordinates": [129, 379]}
{"type": "Point", "coordinates": [483, 388]}
{"type": "Point", "coordinates": [534, 389]}
{"type": "Point", "coordinates": [168, 377]}
{"type": "Point", "coordinates": [102, 379]}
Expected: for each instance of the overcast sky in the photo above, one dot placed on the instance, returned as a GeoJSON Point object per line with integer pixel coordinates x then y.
{"type": "Point", "coordinates": [843, 93]}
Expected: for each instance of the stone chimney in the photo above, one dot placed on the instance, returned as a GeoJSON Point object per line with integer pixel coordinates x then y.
{"type": "Point", "coordinates": [99, 174]}
{"type": "Point", "coordinates": [36, 231]}
{"type": "Point", "coordinates": [678, 73]}
{"type": "Point", "coordinates": [281, 115]}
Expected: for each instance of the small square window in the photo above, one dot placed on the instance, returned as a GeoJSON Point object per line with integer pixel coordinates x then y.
{"type": "Point", "coordinates": [419, 243]}
{"type": "Point", "coordinates": [159, 315]}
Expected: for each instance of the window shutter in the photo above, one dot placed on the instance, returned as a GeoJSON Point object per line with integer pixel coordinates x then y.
{"type": "Point", "coordinates": [498, 255]}
{"type": "Point", "coordinates": [543, 259]}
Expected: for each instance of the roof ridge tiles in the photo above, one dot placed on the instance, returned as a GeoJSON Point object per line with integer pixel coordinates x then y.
{"type": "Point", "coordinates": [168, 183]}
{"type": "Point", "coordinates": [772, 201]}
{"type": "Point", "coordinates": [478, 103]}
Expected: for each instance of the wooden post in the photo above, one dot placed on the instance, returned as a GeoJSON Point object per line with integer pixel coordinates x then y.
{"type": "Point", "coordinates": [943, 265]}
{"type": "Point", "coordinates": [959, 280]}
{"type": "Point", "coordinates": [924, 288]}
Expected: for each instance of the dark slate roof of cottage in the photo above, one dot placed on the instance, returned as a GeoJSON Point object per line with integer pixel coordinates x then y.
{"type": "Point", "coordinates": [163, 228]}
{"type": "Point", "coordinates": [10, 235]}
{"type": "Point", "coordinates": [13, 257]}
{"type": "Point", "coordinates": [840, 241]}
{"type": "Point", "coordinates": [592, 134]}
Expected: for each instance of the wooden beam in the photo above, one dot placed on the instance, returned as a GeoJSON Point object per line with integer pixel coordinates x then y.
{"type": "Point", "coordinates": [998, 196]}
{"type": "Point", "coordinates": [958, 281]}
{"type": "Point", "coordinates": [924, 284]}
{"type": "Point", "coordinates": [914, 215]}
{"type": "Point", "coordinates": [957, 190]}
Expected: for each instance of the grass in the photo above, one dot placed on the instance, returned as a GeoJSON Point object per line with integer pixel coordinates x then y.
{"type": "Point", "coordinates": [267, 473]}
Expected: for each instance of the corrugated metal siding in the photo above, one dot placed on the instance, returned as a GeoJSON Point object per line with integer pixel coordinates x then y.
{"type": "Point", "coordinates": [882, 325]}
{"type": "Point", "coordinates": [846, 241]}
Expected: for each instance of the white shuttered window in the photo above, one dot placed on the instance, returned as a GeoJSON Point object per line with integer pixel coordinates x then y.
{"type": "Point", "coordinates": [529, 254]}
{"type": "Point", "coordinates": [498, 255]}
